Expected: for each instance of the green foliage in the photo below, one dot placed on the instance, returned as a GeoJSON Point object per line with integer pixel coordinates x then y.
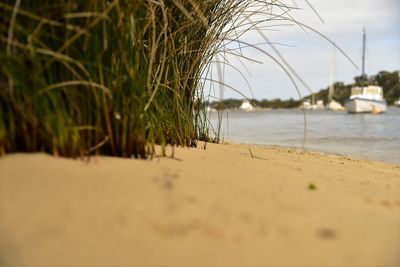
{"type": "Point", "coordinates": [390, 82]}
{"type": "Point", "coordinates": [264, 103]}
{"type": "Point", "coordinates": [111, 77]}
{"type": "Point", "coordinates": [229, 103]}
{"type": "Point", "coordinates": [278, 103]}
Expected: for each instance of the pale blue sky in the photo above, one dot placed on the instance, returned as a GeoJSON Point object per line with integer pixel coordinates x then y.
{"type": "Point", "coordinates": [311, 56]}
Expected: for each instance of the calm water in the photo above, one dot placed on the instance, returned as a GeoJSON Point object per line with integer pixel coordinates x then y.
{"type": "Point", "coordinates": [362, 135]}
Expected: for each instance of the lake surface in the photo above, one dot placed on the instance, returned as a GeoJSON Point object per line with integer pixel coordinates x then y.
{"type": "Point", "coordinates": [364, 136]}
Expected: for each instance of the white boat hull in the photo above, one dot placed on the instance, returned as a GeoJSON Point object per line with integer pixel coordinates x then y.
{"type": "Point", "coordinates": [360, 105]}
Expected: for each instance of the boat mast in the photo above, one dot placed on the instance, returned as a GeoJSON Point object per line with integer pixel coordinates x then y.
{"type": "Point", "coordinates": [331, 80]}
{"type": "Point", "coordinates": [363, 62]}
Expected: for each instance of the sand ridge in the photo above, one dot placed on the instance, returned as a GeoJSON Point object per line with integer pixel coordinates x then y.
{"type": "Point", "coordinates": [225, 205]}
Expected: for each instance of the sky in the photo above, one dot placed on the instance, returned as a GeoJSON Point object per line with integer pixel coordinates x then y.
{"type": "Point", "coordinates": [309, 54]}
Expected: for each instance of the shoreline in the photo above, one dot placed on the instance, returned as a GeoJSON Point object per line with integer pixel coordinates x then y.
{"type": "Point", "coordinates": [317, 151]}
{"type": "Point", "coordinates": [361, 136]}
{"type": "Point", "coordinates": [226, 205]}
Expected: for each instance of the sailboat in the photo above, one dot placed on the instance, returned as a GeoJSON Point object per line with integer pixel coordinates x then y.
{"type": "Point", "coordinates": [312, 105]}
{"type": "Point", "coordinates": [366, 99]}
{"type": "Point", "coordinates": [246, 106]}
{"type": "Point", "coordinates": [332, 104]}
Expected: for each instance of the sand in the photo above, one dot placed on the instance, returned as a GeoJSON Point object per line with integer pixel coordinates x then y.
{"type": "Point", "coordinates": [213, 207]}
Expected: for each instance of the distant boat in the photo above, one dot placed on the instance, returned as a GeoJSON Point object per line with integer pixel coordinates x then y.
{"type": "Point", "coordinates": [332, 104]}
{"type": "Point", "coordinates": [307, 105]}
{"type": "Point", "coordinates": [319, 104]}
{"type": "Point", "coordinates": [246, 106]}
{"type": "Point", "coordinates": [210, 109]}
{"type": "Point", "coordinates": [366, 99]}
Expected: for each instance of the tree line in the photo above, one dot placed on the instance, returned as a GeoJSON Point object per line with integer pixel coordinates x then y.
{"type": "Point", "coordinates": [389, 81]}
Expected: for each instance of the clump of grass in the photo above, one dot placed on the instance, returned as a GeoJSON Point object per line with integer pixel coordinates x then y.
{"type": "Point", "coordinates": [111, 77]}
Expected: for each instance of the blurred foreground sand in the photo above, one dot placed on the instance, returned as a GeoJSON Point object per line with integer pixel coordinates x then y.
{"type": "Point", "coordinates": [218, 206]}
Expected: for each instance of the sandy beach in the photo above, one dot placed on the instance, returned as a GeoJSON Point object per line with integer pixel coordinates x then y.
{"type": "Point", "coordinates": [226, 205]}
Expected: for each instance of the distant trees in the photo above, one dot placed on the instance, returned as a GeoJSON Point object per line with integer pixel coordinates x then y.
{"type": "Point", "coordinates": [274, 103]}
{"type": "Point", "coordinates": [389, 81]}
{"type": "Point", "coordinates": [278, 103]}
{"type": "Point", "coordinates": [227, 104]}
{"type": "Point", "coordinates": [362, 80]}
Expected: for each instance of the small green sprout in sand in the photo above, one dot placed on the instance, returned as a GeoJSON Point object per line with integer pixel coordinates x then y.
{"type": "Point", "coordinates": [312, 186]}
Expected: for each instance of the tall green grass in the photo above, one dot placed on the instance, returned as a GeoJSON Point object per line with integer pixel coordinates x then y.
{"type": "Point", "coordinates": [110, 77]}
